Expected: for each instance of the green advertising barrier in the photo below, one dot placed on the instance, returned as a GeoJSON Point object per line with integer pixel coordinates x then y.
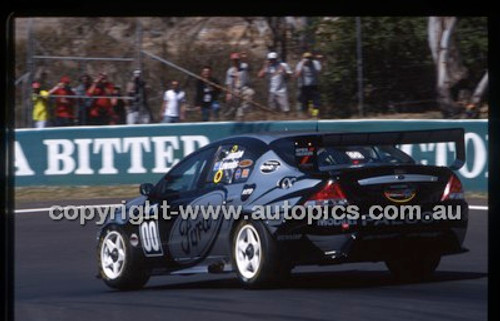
{"type": "Point", "coordinates": [142, 153]}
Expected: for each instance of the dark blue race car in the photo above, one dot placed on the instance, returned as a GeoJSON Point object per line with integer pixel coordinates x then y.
{"type": "Point", "coordinates": [270, 181]}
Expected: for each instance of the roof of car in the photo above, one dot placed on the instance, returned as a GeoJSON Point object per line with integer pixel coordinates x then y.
{"type": "Point", "coordinates": [269, 137]}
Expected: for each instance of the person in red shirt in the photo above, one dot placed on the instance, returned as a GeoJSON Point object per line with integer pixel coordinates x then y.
{"type": "Point", "coordinates": [64, 106]}
{"type": "Point", "coordinates": [101, 110]}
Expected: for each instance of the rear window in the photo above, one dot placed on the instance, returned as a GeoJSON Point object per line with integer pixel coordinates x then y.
{"type": "Point", "coordinates": [306, 155]}
{"type": "Point", "coordinates": [328, 157]}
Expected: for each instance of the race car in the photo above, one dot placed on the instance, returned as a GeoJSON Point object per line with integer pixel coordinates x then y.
{"type": "Point", "coordinates": [286, 172]}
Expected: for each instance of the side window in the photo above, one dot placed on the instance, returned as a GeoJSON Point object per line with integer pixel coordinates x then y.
{"type": "Point", "coordinates": [184, 179]}
{"type": "Point", "coordinates": [233, 164]}
{"type": "Point", "coordinates": [185, 176]}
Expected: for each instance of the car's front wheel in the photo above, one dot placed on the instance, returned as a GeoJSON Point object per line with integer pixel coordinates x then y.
{"type": "Point", "coordinates": [117, 266]}
{"type": "Point", "coordinates": [255, 256]}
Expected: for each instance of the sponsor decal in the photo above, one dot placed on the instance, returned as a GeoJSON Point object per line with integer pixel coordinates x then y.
{"type": "Point", "coordinates": [234, 155]}
{"type": "Point", "coordinates": [400, 195]}
{"type": "Point", "coordinates": [305, 154]}
{"type": "Point", "coordinates": [218, 176]}
{"type": "Point", "coordinates": [245, 163]}
{"type": "Point", "coordinates": [354, 154]}
{"type": "Point", "coordinates": [287, 182]}
{"type": "Point", "coordinates": [237, 174]}
{"type": "Point", "coordinates": [304, 151]}
{"type": "Point", "coordinates": [247, 191]}
{"type": "Point", "coordinates": [232, 164]}
{"type": "Point", "coordinates": [191, 239]}
{"type": "Point", "coordinates": [245, 173]}
{"type": "Point", "coordinates": [270, 166]}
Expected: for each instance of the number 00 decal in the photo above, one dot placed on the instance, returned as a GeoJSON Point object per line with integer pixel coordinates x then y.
{"type": "Point", "coordinates": [150, 238]}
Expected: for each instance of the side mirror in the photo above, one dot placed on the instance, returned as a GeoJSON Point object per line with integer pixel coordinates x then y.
{"type": "Point", "coordinates": [145, 188]}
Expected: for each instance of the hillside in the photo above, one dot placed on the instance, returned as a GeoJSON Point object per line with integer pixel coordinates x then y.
{"type": "Point", "coordinates": [189, 42]}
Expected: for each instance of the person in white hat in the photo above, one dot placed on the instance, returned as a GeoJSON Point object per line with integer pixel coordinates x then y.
{"type": "Point", "coordinates": [277, 73]}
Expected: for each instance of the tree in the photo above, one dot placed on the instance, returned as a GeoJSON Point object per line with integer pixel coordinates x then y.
{"type": "Point", "coordinates": [450, 69]}
{"type": "Point", "coordinates": [397, 67]}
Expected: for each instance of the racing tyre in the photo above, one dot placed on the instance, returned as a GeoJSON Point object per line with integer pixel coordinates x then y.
{"type": "Point", "coordinates": [413, 268]}
{"type": "Point", "coordinates": [117, 265]}
{"type": "Point", "coordinates": [255, 256]}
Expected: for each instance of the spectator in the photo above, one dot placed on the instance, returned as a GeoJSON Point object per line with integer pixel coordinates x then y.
{"type": "Point", "coordinates": [139, 112]}
{"type": "Point", "coordinates": [277, 73]}
{"type": "Point", "coordinates": [83, 103]}
{"type": "Point", "coordinates": [119, 112]}
{"type": "Point", "coordinates": [207, 94]}
{"type": "Point", "coordinates": [40, 105]}
{"type": "Point", "coordinates": [307, 73]}
{"type": "Point", "coordinates": [64, 106]}
{"type": "Point", "coordinates": [173, 100]}
{"type": "Point", "coordinates": [101, 111]}
{"type": "Point", "coordinates": [239, 94]}
{"type": "Point", "coordinates": [244, 62]}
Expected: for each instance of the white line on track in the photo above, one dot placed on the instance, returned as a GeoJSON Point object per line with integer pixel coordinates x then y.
{"type": "Point", "coordinates": [37, 210]}
{"type": "Point", "coordinates": [478, 207]}
{"type": "Point", "coordinates": [46, 209]}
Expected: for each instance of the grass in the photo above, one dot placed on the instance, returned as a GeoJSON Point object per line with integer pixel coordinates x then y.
{"type": "Point", "coordinates": [48, 193]}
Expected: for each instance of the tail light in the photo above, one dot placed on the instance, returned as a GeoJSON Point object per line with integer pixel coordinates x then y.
{"type": "Point", "coordinates": [330, 194]}
{"type": "Point", "coordinates": [453, 189]}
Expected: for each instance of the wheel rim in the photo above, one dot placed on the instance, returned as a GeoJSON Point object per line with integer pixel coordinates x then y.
{"type": "Point", "coordinates": [113, 255]}
{"type": "Point", "coordinates": [248, 251]}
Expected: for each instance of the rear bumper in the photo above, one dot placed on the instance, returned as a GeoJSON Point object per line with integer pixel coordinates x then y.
{"type": "Point", "coordinates": [372, 241]}
{"type": "Point", "coordinates": [375, 247]}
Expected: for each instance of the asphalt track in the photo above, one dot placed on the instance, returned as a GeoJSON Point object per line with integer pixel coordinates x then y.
{"type": "Point", "coordinates": [55, 280]}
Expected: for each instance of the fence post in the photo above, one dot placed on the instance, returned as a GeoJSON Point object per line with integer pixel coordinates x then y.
{"type": "Point", "coordinates": [138, 45]}
{"type": "Point", "coordinates": [27, 101]}
{"type": "Point", "coordinates": [359, 54]}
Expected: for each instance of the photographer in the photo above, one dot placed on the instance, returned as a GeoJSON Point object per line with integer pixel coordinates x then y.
{"type": "Point", "coordinates": [277, 73]}
{"type": "Point", "coordinates": [239, 93]}
{"type": "Point", "coordinates": [101, 111]}
{"type": "Point", "coordinates": [64, 113]}
{"type": "Point", "coordinates": [307, 73]}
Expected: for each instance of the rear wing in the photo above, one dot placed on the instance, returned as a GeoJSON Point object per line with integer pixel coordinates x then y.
{"type": "Point", "coordinates": [306, 146]}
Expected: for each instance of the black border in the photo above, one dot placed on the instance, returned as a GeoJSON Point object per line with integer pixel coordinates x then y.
{"type": "Point", "coordinates": [23, 8]}
{"type": "Point", "coordinates": [6, 189]}
{"type": "Point", "coordinates": [494, 173]}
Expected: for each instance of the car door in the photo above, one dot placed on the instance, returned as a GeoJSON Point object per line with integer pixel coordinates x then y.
{"type": "Point", "coordinates": [186, 234]}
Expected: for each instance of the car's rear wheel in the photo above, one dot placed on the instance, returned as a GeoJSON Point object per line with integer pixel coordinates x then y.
{"type": "Point", "coordinates": [117, 266]}
{"type": "Point", "coordinates": [413, 267]}
{"type": "Point", "coordinates": [255, 256]}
